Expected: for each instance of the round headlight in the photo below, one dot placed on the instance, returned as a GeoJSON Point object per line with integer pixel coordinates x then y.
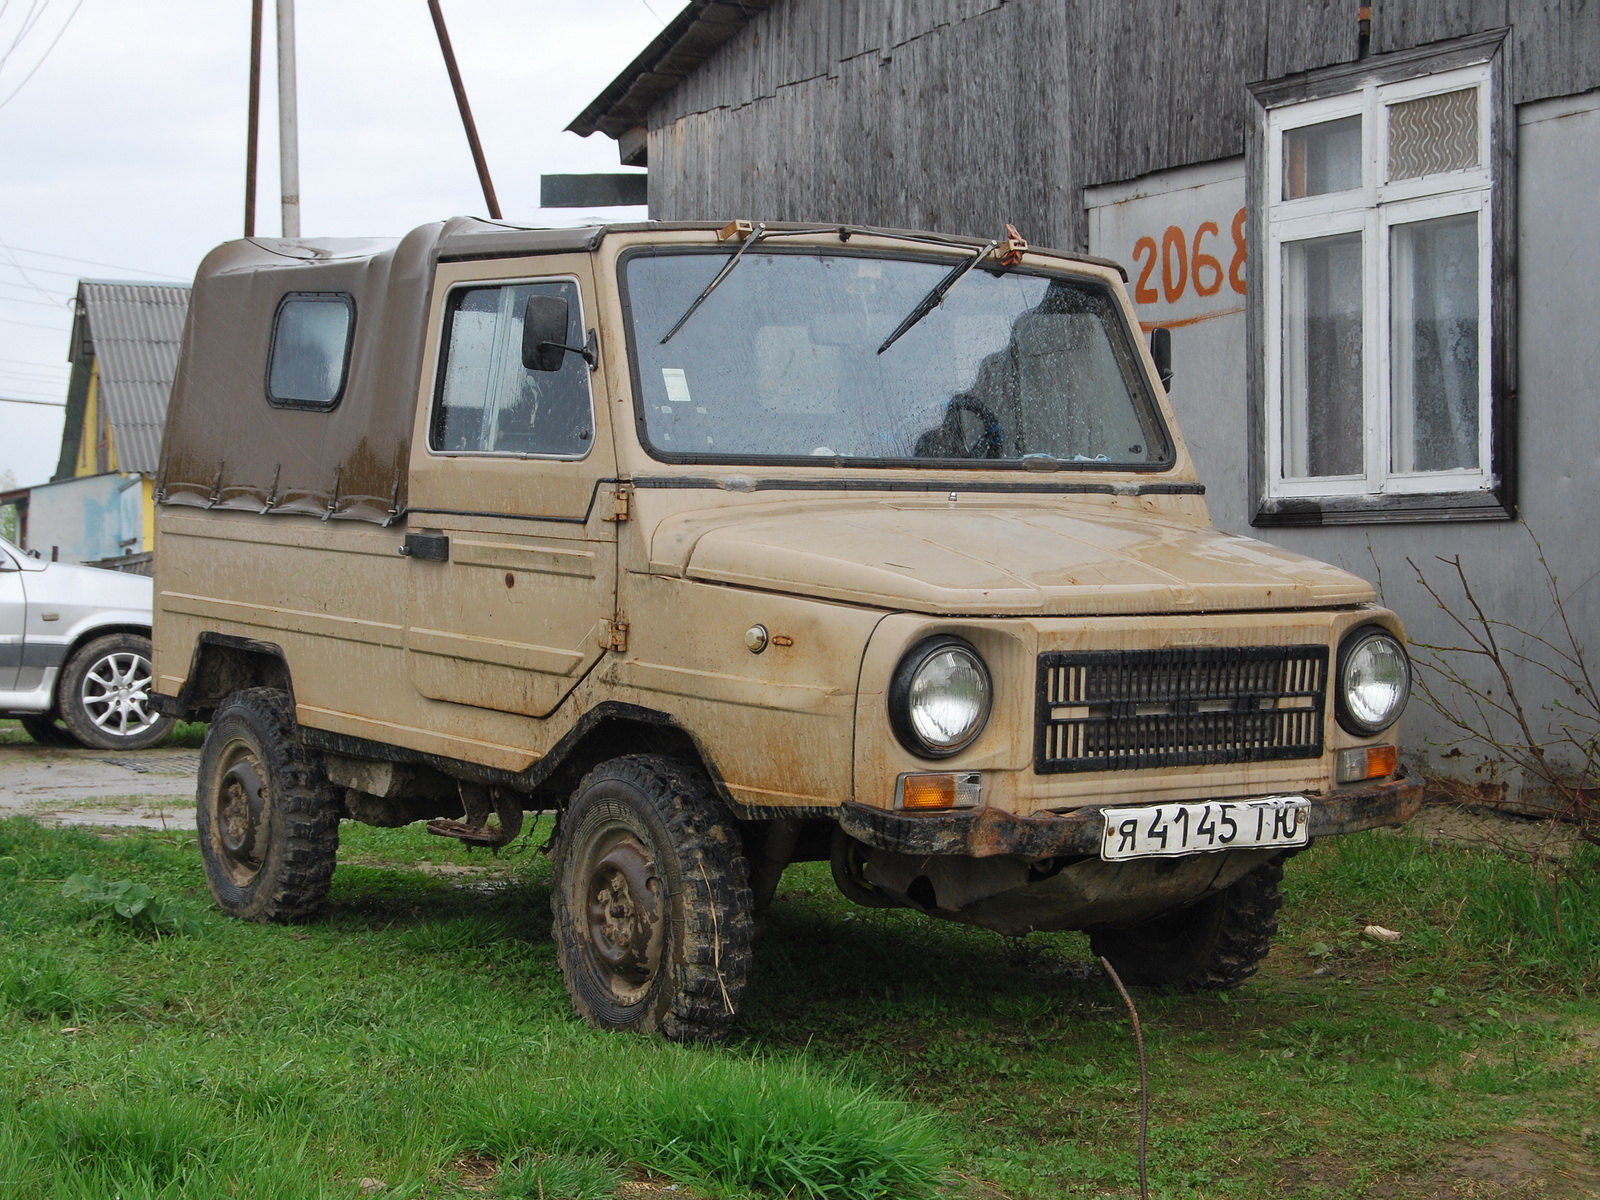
{"type": "Point", "coordinates": [1374, 680]}
{"type": "Point", "coordinates": [939, 697]}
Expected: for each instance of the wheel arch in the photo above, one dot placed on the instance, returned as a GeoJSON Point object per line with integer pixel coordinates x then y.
{"type": "Point", "coordinates": [221, 665]}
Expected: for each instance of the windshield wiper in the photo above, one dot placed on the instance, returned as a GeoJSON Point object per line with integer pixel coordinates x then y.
{"type": "Point", "coordinates": [935, 296]}
{"type": "Point", "coordinates": [733, 260]}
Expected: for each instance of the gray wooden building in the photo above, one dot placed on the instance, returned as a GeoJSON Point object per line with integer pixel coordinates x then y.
{"type": "Point", "coordinates": [1370, 229]}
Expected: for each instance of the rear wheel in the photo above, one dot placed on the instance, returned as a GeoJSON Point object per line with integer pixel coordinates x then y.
{"type": "Point", "coordinates": [104, 695]}
{"type": "Point", "coordinates": [267, 817]}
{"type": "Point", "coordinates": [1215, 944]}
{"type": "Point", "coordinates": [652, 901]}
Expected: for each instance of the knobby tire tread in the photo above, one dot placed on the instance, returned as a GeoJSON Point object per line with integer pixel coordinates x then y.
{"type": "Point", "coordinates": [712, 959]}
{"type": "Point", "coordinates": [306, 809]}
{"type": "Point", "coordinates": [1238, 935]}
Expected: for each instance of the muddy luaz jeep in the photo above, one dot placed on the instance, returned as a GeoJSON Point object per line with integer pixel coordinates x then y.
{"type": "Point", "coordinates": [738, 546]}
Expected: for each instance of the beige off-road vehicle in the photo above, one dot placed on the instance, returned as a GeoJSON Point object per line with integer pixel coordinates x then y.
{"type": "Point", "coordinates": [737, 547]}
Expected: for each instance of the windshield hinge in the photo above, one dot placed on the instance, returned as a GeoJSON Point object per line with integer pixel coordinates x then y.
{"type": "Point", "coordinates": [614, 635]}
{"type": "Point", "coordinates": [621, 503]}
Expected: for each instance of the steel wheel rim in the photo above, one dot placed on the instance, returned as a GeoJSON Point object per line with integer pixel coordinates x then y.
{"type": "Point", "coordinates": [240, 814]}
{"type": "Point", "coordinates": [622, 914]}
{"type": "Point", "coordinates": [115, 694]}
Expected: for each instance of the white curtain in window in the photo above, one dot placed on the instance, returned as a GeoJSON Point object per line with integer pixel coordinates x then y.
{"type": "Point", "coordinates": [1433, 277]}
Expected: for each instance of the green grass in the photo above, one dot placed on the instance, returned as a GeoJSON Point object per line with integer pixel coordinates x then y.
{"type": "Point", "coordinates": [419, 1036]}
{"type": "Point", "coordinates": [184, 735]}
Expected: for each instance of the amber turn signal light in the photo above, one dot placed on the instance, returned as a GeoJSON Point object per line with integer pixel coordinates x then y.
{"type": "Point", "coordinates": [934, 793]}
{"type": "Point", "coordinates": [1366, 762]}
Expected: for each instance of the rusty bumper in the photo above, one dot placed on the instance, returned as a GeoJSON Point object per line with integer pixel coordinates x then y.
{"type": "Point", "coordinates": [988, 832]}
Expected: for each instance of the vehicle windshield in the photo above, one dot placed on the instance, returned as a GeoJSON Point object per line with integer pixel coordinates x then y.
{"type": "Point", "coordinates": [782, 362]}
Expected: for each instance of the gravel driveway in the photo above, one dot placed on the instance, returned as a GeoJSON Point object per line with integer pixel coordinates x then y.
{"type": "Point", "coordinates": [153, 789]}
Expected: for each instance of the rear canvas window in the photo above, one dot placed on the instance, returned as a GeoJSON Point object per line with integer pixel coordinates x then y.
{"type": "Point", "coordinates": [310, 354]}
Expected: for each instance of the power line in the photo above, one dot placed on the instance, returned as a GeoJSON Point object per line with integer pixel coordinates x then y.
{"type": "Point", "coordinates": [28, 287]}
{"type": "Point", "coordinates": [43, 56]}
{"type": "Point", "coordinates": [40, 403]}
{"type": "Point", "coordinates": [38, 303]}
{"type": "Point", "coordinates": [33, 324]}
{"type": "Point", "coordinates": [89, 262]}
{"type": "Point", "coordinates": [34, 362]}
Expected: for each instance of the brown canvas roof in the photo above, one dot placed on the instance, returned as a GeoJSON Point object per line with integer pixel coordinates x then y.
{"type": "Point", "coordinates": [226, 447]}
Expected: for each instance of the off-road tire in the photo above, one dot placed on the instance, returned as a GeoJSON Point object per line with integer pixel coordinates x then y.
{"type": "Point", "coordinates": [42, 728]}
{"type": "Point", "coordinates": [268, 857]}
{"type": "Point", "coordinates": [651, 904]}
{"type": "Point", "coordinates": [105, 687]}
{"type": "Point", "coordinates": [1213, 945]}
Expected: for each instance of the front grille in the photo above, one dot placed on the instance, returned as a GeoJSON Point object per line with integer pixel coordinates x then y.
{"type": "Point", "coordinates": [1117, 710]}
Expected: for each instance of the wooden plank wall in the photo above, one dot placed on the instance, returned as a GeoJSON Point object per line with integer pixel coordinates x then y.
{"type": "Point", "coordinates": [960, 114]}
{"type": "Point", "coordinates": [1556, 43]}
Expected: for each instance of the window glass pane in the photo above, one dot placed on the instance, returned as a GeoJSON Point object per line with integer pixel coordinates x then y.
{"type": "Point", "coordinates": [1318, 159]}
{"type": "Point", "coordinates": [1323, 423]}
{"type": "Point", "coordinates": [1433, 134]}
{"type": "Point", "coordinates": [488, 401]}
{"type": "Point", "coordinates": [782, 361]}
{"type": "Point", "coordinates": [308, 351]}
{"type": "Point", "coordinates": [1433, 277]}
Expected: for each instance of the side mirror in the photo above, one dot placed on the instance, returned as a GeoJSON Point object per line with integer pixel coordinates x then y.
{"type": "Point", "coordinates": [1161, 352]}
{"type": "Point", "coordinates": [544, 333]}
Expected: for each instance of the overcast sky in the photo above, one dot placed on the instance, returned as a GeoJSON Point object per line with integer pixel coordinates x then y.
{"type": "Point", "coordinates": [122, 156]}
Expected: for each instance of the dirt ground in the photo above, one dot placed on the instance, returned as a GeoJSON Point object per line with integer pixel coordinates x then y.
{"type": "Point", "coordinates": [151, 789]}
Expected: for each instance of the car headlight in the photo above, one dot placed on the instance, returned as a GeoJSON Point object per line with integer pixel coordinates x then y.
{"type": "Point", "coordinates": [939, 697]}
{"type": "Point", "coordinates": [1374, 680]}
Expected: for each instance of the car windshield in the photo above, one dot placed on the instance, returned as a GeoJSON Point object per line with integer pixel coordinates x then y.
{"type": "Point", "coordinates": [782, 362]}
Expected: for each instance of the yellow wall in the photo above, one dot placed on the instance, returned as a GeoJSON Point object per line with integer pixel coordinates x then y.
{"type": "Point", "coordinates": [147, 535]}
{"type": "Point", "coordinates": [89, 434]}
{"type": "Point", "coordinates": [94, 424]}
{"type": "Point", "coordinates": [88, 462]}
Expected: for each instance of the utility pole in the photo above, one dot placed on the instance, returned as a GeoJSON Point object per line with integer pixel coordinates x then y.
{"type": "Point", "coordinates": [253, 137]}
{"type": "Point", "coordinates": [288, 123]}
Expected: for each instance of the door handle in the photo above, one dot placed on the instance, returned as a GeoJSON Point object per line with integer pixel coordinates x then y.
{"type": "Point", "coordinates": [430, 547]}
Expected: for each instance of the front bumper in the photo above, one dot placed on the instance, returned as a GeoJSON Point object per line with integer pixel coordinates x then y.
{"type": "Point", "coordinates": [989, 832]}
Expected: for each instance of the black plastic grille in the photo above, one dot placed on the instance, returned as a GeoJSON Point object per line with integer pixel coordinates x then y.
{"type": "Point", "coordinates": [1116, 710]}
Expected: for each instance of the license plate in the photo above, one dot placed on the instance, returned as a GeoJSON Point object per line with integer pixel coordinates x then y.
{"type": "Point", "coordinates": [1167, 830]}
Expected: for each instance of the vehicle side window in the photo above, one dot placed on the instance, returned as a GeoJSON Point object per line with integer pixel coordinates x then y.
{"type": "Point", "coordinates": [486, 401]}
{"type": "Point", "coordinates": [310, 355]}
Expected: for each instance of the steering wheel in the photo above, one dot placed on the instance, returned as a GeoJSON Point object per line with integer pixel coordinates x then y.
{"type": "Point", "coordinates": [989, 442]}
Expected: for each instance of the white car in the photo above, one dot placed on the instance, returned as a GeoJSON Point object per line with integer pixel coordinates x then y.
{"type": "Point", "coordinates": [75, 645]}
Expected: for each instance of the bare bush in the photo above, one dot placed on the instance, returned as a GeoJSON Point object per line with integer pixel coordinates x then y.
{"type": "Point", "coordinates": [1477, 686]}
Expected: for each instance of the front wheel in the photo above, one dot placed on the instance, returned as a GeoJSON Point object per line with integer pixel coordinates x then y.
{"type": "Point", "coordinates": [652, 901]}
{"type": "Point", "coordinates": [267, 817]}
{"type": "Point", "coordinates": [104, 695]}
{"type": "Point", "coordinates": [1215, 944]}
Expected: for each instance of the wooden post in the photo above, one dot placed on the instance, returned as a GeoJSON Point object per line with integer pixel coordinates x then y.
{"type": "Point", "coordinates": [466, 111]}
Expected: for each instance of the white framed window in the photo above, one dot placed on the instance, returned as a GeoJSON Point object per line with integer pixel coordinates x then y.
{"type": "Point", "coordinates": [1382, 302]}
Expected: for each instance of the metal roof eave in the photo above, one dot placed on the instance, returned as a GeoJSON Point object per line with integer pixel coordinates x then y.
{"type": "Point", "coordinates": [689, 39]}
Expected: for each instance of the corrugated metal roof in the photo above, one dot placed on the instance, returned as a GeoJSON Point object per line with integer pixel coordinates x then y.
{"type": "Point", "coordinates": [135, 329]}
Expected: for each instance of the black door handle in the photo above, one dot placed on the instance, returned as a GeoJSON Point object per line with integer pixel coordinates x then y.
{"type": "Point", "coordinates": [430, 547]}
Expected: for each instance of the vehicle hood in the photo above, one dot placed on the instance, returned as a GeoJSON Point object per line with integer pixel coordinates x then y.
{"type": "Point", "coordinates": [1061, 559]}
